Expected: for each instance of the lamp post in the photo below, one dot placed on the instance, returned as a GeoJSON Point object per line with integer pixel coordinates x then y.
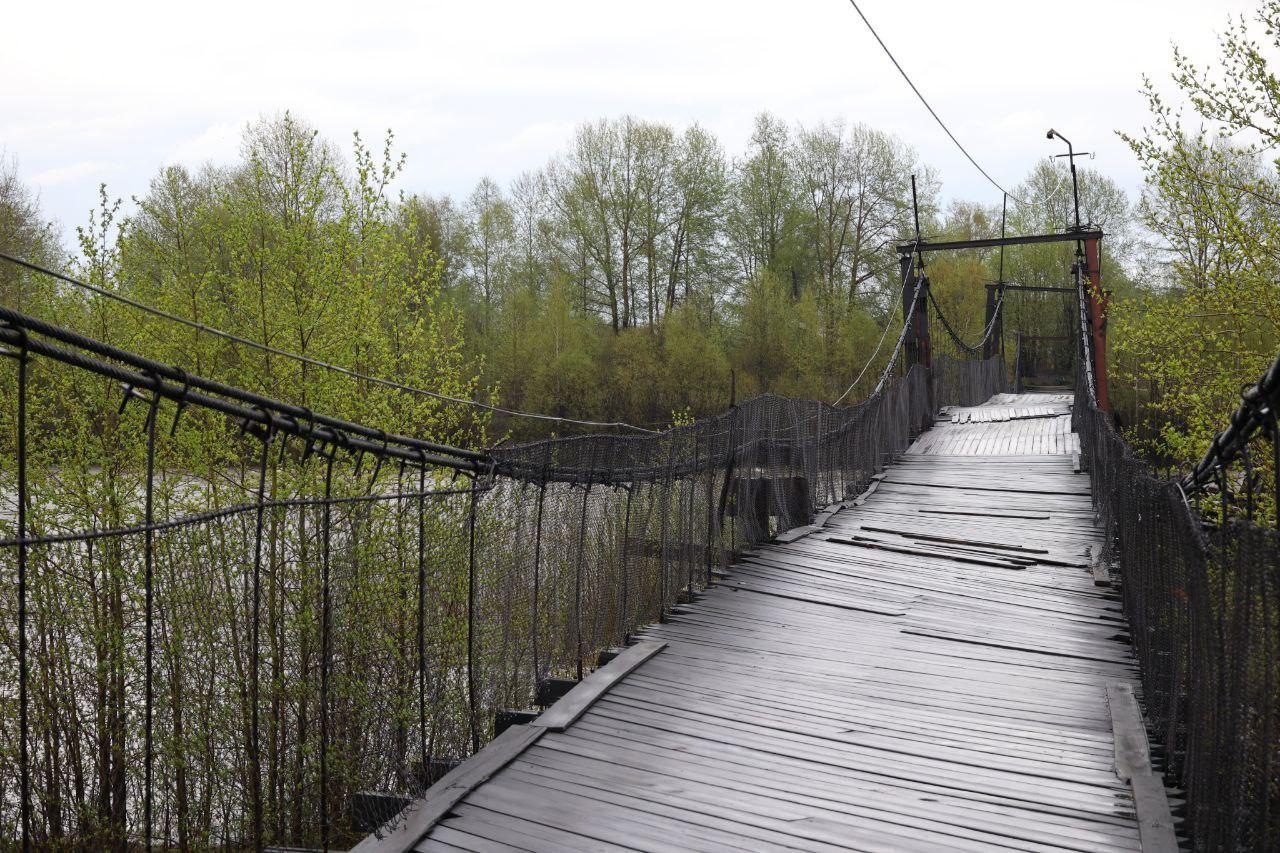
{"type": "Point", "coordinates": [1094, 307]}
{"type": "Point", "coordinates": [1071, 156]}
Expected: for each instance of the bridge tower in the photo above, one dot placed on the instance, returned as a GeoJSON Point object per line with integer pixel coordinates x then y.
{"type": "Point", "coordinates": [1088, 240]}
{"type": "Point", "coordinates": [917, 345]}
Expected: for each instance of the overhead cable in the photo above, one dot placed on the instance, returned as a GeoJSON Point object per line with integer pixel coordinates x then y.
{"type": "Point", "coordinates": [885, 333]}
{"type": "Point", "coordinates": [305, 359]}
{"type": "Point", "coordinates": [929, 107]}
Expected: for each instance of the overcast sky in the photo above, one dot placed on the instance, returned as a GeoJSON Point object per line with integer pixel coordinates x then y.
{"type": "Point", "coordinates": [110, 92]}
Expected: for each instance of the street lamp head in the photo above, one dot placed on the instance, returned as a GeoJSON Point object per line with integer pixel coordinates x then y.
{"type": "Point", "coordinates": [1051, 134]}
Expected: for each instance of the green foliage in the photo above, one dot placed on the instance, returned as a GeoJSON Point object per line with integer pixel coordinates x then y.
{"type": "Point", "coordinates": [299, 249]}
{"type": "Point", "coordinates": [23, 232]}
{"type": "Point", "coordinates": [679, 266]}
{"type": "Point", "coordinates": [695, 365]}
{"type": "Point", "coordinates": [768, 330]}
{"type": "Point", "coordinates": [1187, 346]}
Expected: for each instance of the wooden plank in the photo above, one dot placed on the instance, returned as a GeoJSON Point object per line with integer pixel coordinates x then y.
{"type": "Point", "coordinates": [795, 533]}
{"type": "Point", "coordinates": [1133, 765]}
{"type": "Point", "coordinates": [575, 703]}
{"type": "Point", "coordinates": [877, 750]}
{"type": "Point", "coordinates": [633, 829]}
{"type": "Point", "coordinates": [422, 814]}
{"type": "Point", "coordinates": [862, 498]}
{"type": "Point", "coordinates": [696, 741]}
{"type": "Point", "coordinates": [821, 519]}
{"type": "Point", "coordinates": [882, 686]}
{"type": "Point", "coordinates": [767, 820]}
{"type": "Point", "coordinates": [955, 541]}
{"type": "Point", "coordinates": [445, 838]}
{"type": "Point", "coordinates": [441, 797]}
{"type": "Point", "coordinates": [617, 767]}
{"type": "Point", "coordinates": [1098, 565]}
{"type": "Point", "coordinates": [742, 756]}
{"type": "Point", "coordinates": [525, 834]}
{"type": "Point", "coordinates": [921, 552]}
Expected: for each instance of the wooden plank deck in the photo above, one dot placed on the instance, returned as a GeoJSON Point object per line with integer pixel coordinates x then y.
{"type": "Point", "coordinates": [929, 671]}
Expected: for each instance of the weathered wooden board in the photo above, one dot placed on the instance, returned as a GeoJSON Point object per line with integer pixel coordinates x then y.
{"type": "Point", "coordinates": [575, 703]}
{"type": "Point", "coordinates": [927, 669]}
{"type": "Point", "coordinates": [1133, 765]}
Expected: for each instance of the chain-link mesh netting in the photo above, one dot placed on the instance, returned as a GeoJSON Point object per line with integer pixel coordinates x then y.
{"type": "Point", "coordinates": [1044, 362]}
{"type": "Point", "coordinates": [239, 623]}
{"type": "Point", "coordinates": [966, 382]}
{"type": "Point", "coordinates": [1204, 614]}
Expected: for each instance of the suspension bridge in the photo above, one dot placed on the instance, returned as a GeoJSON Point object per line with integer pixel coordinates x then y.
{"type": "Point", "coordinates": [957, 614]}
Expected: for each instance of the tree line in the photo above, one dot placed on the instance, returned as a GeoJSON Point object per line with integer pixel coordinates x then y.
{"type": "Point", "coordinates": [643, 272]}
{"type": "Point", "coordinates": [639, 275]}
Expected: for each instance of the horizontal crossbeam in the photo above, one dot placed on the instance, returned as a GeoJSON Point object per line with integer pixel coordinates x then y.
{"type": "Point", "coordinates": [1032, 288]}
{"type": "Point", "coordinates": [996, 242]}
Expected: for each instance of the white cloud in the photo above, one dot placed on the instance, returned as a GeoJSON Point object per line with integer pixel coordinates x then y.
{"type": "Point", "coordinates": [537, 138]}
{"type": "Point", "coordinates": [494, 86]}
{"type": "Point", "coordinates": [72, 172]}
{"type": "Point", "coordinates": [218, 143]}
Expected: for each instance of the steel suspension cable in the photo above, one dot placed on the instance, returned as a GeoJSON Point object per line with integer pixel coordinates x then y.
{"type": "Point", "coordinates": [902, 339]}
{"type": "Point", "coordinates": [305, 359]}
{"type": "Point", "coordinates": [1062, 181]}
{"type": "Point", "coordinates": [1086, 349]}
{"type": "Point", "coordinates": [928, 106]}
{"type": "Point", "coordinates": [880, 343]}
{"type": "Point", "coordinates": [883, 334]}
{"type": "Point", "coordinates": [955, 337]}
{"type": "Point", "coordinates": [941, 123]}
{"type": "Point", "coordinates": [24, 749]}
{"type": "Point", "coordinates": [424, 750]}
{"type": "Point", "coordinates": [326, 647]}
{"type": "Point", "coordinates": [244, 406]}
{"type": "Point", "coordinates": [255, 647]}
{"type": "Point", "coordinates": [218, 514]}
{"type": "Point", "coordinates": [148, 693]}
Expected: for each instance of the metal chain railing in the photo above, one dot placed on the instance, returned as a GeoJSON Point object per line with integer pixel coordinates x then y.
{"type": "Point", "coordinates": [970, 349]}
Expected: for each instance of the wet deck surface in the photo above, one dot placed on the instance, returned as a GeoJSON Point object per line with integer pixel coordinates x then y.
{"type": "Point", "coordinates": [929, 671]}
